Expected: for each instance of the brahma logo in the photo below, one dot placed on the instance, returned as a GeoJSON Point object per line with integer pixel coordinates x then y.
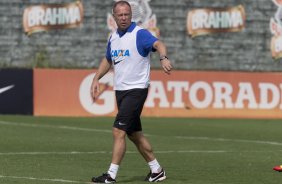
{"type": "Point", "coordinates": [213, 20]}
{"type": "Point", "coordinates": [141, 14]}
{"type": "Point", "coordinates": [58, 16]}
{"type": "Point", "coordinates": [276, 30]}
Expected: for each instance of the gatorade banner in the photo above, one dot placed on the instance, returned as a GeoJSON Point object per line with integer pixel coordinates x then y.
{"type": "Point", "coordinates": [181, 94]}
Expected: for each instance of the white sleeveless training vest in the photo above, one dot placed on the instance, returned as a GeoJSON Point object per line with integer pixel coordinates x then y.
{"type": "Point", "coordinates": [131, 69]}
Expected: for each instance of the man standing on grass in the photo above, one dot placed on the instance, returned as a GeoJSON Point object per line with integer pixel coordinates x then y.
{"type": "Point", "coordinates": [129, 51]}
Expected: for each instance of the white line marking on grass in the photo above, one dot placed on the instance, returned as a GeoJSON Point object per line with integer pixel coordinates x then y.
{"type": "Point", "coordinates": [192, 151]}
{"type": "Point", "coordinates": [105, 152]}
{"type": "Point", "coordinates": [56, 127]}
{"type": "Point", "coordinates": [109, 131]}
{"type": "Point", "coordinates": [54, 153]}
{"type": "Point", "coordinates": [230, 140]}
{"type": "Point", "coordinates": [42, 179]}
{"type": "Point", "coordinates": [132, 152]}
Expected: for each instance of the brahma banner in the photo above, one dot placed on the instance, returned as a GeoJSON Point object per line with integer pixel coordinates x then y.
{"type": "Point", "coordinates": [181, 94]}
{"type": "Point", "coordinates": [52, 16]}
{"type": "Point", "coordinates": [276, 31]}
{"type": "Point", "coordinates": [215, 20]}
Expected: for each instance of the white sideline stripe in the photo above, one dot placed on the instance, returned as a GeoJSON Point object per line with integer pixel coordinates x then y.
{"type": "Point", "coordinates": [105, 152]}
{"type": "Point", "coordinates": [54, 153]}
{"type": "Point", "coordinates": [59, 127]}
{"type": "Point", "coordinates": [42, 179]}
{"type": "Point", "coordinates": [131, 152]}
{"type": "Point", "coordinates": [230, 140]}
{"type": "Point", "coordinates": [109, 131]}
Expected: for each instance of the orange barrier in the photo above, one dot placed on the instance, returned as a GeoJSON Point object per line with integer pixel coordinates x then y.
{"type": "Point", "coordinates": [181, 94]}
{"type": "Point", "coordinates": [56, 92]}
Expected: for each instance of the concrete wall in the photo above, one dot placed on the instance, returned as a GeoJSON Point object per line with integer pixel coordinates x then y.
{"type": "Point", "coordinates": [84, 47]}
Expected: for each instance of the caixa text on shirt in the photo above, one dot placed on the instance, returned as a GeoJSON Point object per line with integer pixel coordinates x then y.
{"type": "Point", "coordinates": [119, 53]}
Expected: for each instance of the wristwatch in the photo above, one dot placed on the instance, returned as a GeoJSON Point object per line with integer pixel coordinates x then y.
{"type": "Point", "coordinates": [163, 57]}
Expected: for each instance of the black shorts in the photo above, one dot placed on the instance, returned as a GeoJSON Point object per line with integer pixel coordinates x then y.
{"type": "Point", "coordinates": [130, 104]}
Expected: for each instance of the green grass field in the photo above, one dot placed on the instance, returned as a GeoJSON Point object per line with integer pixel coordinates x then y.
{"type": "Point", "coordinates": [40, 150]}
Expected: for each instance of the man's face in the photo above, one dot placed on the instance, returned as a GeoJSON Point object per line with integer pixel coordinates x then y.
{"type": "Point", "coordinates": [122, 15]}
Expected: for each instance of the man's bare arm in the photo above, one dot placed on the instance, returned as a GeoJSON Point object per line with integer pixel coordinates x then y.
{"type": "Point", "coordinates": [165, 62]}
{"type": "Point", "coordinates": [104, 67]}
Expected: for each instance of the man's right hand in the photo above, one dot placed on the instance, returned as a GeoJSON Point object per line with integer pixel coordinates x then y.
{"type": "Point", "coordinates": [94, 90]}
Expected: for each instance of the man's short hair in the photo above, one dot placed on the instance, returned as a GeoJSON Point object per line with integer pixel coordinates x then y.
{"type": "Point", "coordinates": [120, 3]}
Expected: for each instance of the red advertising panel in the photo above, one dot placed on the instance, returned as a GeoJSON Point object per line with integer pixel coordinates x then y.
{"type": "Point", "coordinates": [181, 94]}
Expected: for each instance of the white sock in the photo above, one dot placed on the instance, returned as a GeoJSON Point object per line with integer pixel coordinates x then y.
{"type": "Point", "coordinates": [113, 170]}
{"type": "Point", "coordinates": [155, 166]}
